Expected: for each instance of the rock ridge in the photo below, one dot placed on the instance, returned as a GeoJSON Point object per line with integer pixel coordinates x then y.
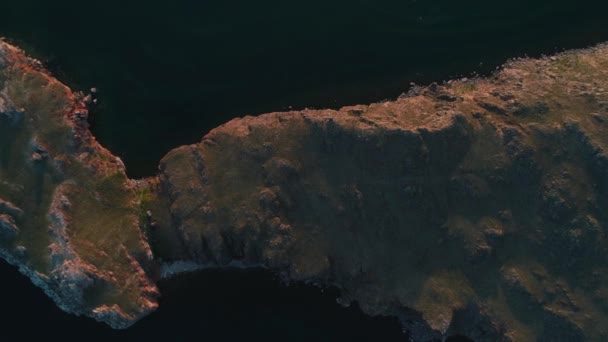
{"type": "Point", "coordinates": [476, 207]}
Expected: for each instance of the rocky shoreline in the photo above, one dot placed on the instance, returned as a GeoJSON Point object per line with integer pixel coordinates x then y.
{"type": "Point", "coordinates": [52, 169]}
{"type": "Point", "coordinates": [476, 207]}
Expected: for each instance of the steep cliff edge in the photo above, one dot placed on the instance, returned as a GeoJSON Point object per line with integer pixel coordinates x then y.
{"type": "Point", "coordinates": [69, 217]}
{"type": "Point", "coordinates": [476, 207]}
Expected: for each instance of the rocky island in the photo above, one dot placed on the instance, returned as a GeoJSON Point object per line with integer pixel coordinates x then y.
{"type": "Point", "coordinates": [476, 207]}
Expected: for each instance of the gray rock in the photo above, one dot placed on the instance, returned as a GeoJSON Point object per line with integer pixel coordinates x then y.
{"type": "Point", "coordinates": [8, 227]}
{"type": "Point", "coordinates": [10, 209]}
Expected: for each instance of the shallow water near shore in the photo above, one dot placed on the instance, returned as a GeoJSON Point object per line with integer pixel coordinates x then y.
{"type": "Point", "coordinates": [168, 73]}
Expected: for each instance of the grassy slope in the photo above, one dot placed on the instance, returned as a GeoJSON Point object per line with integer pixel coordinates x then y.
{"type": "Point", "coordinates": [483, 197]}
{"type": "Point", "coordinates": [102, 217]}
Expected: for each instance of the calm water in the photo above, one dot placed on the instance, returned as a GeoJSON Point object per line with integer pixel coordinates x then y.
{"type": "Point", "coordinates": [169, 71]}
{"type": "Point", "coordinates": [210, 306]}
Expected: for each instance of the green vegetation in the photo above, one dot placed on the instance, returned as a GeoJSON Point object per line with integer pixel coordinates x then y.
{"type": "Point", "coordinates": [81, 214]}
{"type": "Point", "coordinates": [475, 208]}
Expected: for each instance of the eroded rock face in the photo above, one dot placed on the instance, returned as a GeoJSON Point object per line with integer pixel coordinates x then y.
{"type": "Point", "coordinates": [68, 214]}
{"type": "Point", "coordinates": [475, 207]}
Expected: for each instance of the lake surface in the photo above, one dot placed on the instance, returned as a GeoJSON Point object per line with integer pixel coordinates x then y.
{"type": "Point", "coordinates": [169, 71]}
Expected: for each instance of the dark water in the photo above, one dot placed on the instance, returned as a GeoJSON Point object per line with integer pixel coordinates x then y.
{"type": "Point", "coordinates": [169, 71]}
{"type": "Point", "coordinates": [210, 306]}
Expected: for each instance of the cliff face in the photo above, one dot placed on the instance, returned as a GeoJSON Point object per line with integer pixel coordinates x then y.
{"type": "Point", "coordinates": [476, 207]}
{"type": "Point", "coordinates": [68, 214]}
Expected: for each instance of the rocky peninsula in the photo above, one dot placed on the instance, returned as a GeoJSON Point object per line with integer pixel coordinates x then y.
{"type": "Point", "coordinates": [476, 207]}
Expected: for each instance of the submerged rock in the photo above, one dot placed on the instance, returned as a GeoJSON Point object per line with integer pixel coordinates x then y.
{"type": "Point", "coordinates": [477, 207]}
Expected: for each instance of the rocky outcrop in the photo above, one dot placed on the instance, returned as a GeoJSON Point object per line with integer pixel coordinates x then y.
{"type": "Point", "coordinates": [69, 217]}
{"type": "Point", "coordinates": [475, 207]}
